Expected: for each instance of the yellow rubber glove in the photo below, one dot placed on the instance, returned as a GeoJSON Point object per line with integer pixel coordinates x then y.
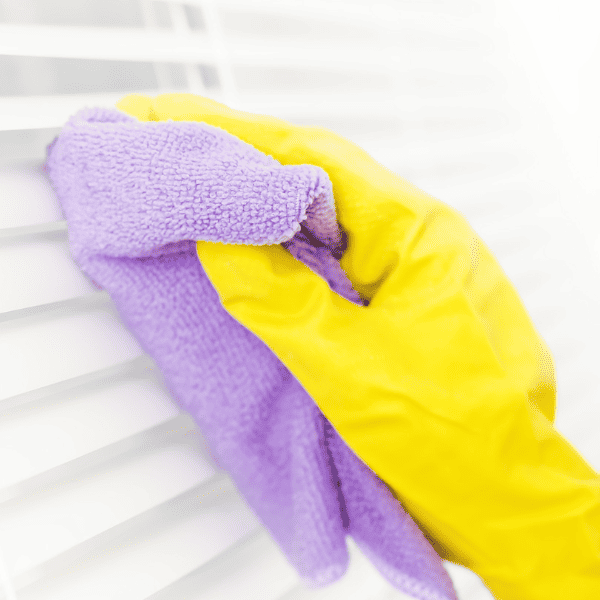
{"type": "Point", "coordinates": [441, 385]}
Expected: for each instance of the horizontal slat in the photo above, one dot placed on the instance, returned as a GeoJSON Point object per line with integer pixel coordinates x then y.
{"type": "Point", "coordinates": [242, 49]}
{"type": "Point", "coordinates": [44, 526]}
{"type": "Point", "coordinates": [401, 34]}
{"type": "Point", "coordinates": [36, 112]}
{"type": "Point", "coordinates": [422, 86]}
{"type": "Point", "coordinates": [254, 570]}
{"type": "Point", "coordinates": [47, 348]}
{"type": "Point", "coordinates": [26, 197]}
{"type": "Point", "coordinates": [140, 367]}
{"type": "Point", "coordinates": [103, 43]}
{"type": "Point", "coordinates": [38, 439]}
{"type": "Point", "coordinates": [54, 111]}
{"type": "Point", "coordinates": [39, 270]}
{"type": "Point", "coordinates": [26, 147]}
{"type": "Point", "coordinates": [247, 50]}
{"type": "Point", "coordinates": [140, 565]}
{"type": "Point", "coordinates": [438, 14]}
{"type": "Point", "coordinates": [33, 112]}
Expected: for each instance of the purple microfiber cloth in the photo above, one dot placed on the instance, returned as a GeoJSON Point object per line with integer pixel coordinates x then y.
{"type": "Point", "coordinates": [136, 197]}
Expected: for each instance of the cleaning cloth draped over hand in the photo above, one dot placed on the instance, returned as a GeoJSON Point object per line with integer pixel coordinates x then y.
{"type": "Point", "coordinates": [441, 384]}
{"type": "Point", "coordinates": [136, 197]}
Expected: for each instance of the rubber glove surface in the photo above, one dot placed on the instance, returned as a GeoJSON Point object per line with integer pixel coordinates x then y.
{"type": "Point", "coordinates": [441, 384]}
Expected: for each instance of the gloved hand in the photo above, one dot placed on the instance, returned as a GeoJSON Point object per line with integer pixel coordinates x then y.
{"type": "Point", "coordinates": [441, 384]}
{"type": "Point", "coordinates": [136, 196]}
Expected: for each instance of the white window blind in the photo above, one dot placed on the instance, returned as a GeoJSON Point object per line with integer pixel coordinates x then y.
{"type": "Point", "coordinates": [106, 487]}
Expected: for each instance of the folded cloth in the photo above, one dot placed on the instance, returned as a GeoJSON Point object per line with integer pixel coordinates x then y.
{"type": "Point", "coordinates": [136, 197]}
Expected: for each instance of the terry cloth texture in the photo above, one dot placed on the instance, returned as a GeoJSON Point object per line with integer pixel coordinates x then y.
{"type": "Point", "coordinates": [136, 197]}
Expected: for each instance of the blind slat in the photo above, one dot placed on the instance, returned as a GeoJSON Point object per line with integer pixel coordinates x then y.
{"type": "Point", "coordinates": [44, 349]}
{"type": "Point", "coordinates": [103, 43]}
{"type": "Point", "coordinates": [254, 570]}
{"type": "Point", "coordinates": [137, 566]}
{"type": "Point", "coordinates": [441, 15]}
{"type": "Point", "coordinates": [39, 528]}
{"type": "Point", "coordinates": [38, 271]}
{"type": "Point", "coordinates": [242, 49]}
{"type": "Point", "coordinates": [36, 112]}
{"type": "Point", "coordinates": [26, 197]}
{"type": "Point", "coordinates": [40, 438]}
